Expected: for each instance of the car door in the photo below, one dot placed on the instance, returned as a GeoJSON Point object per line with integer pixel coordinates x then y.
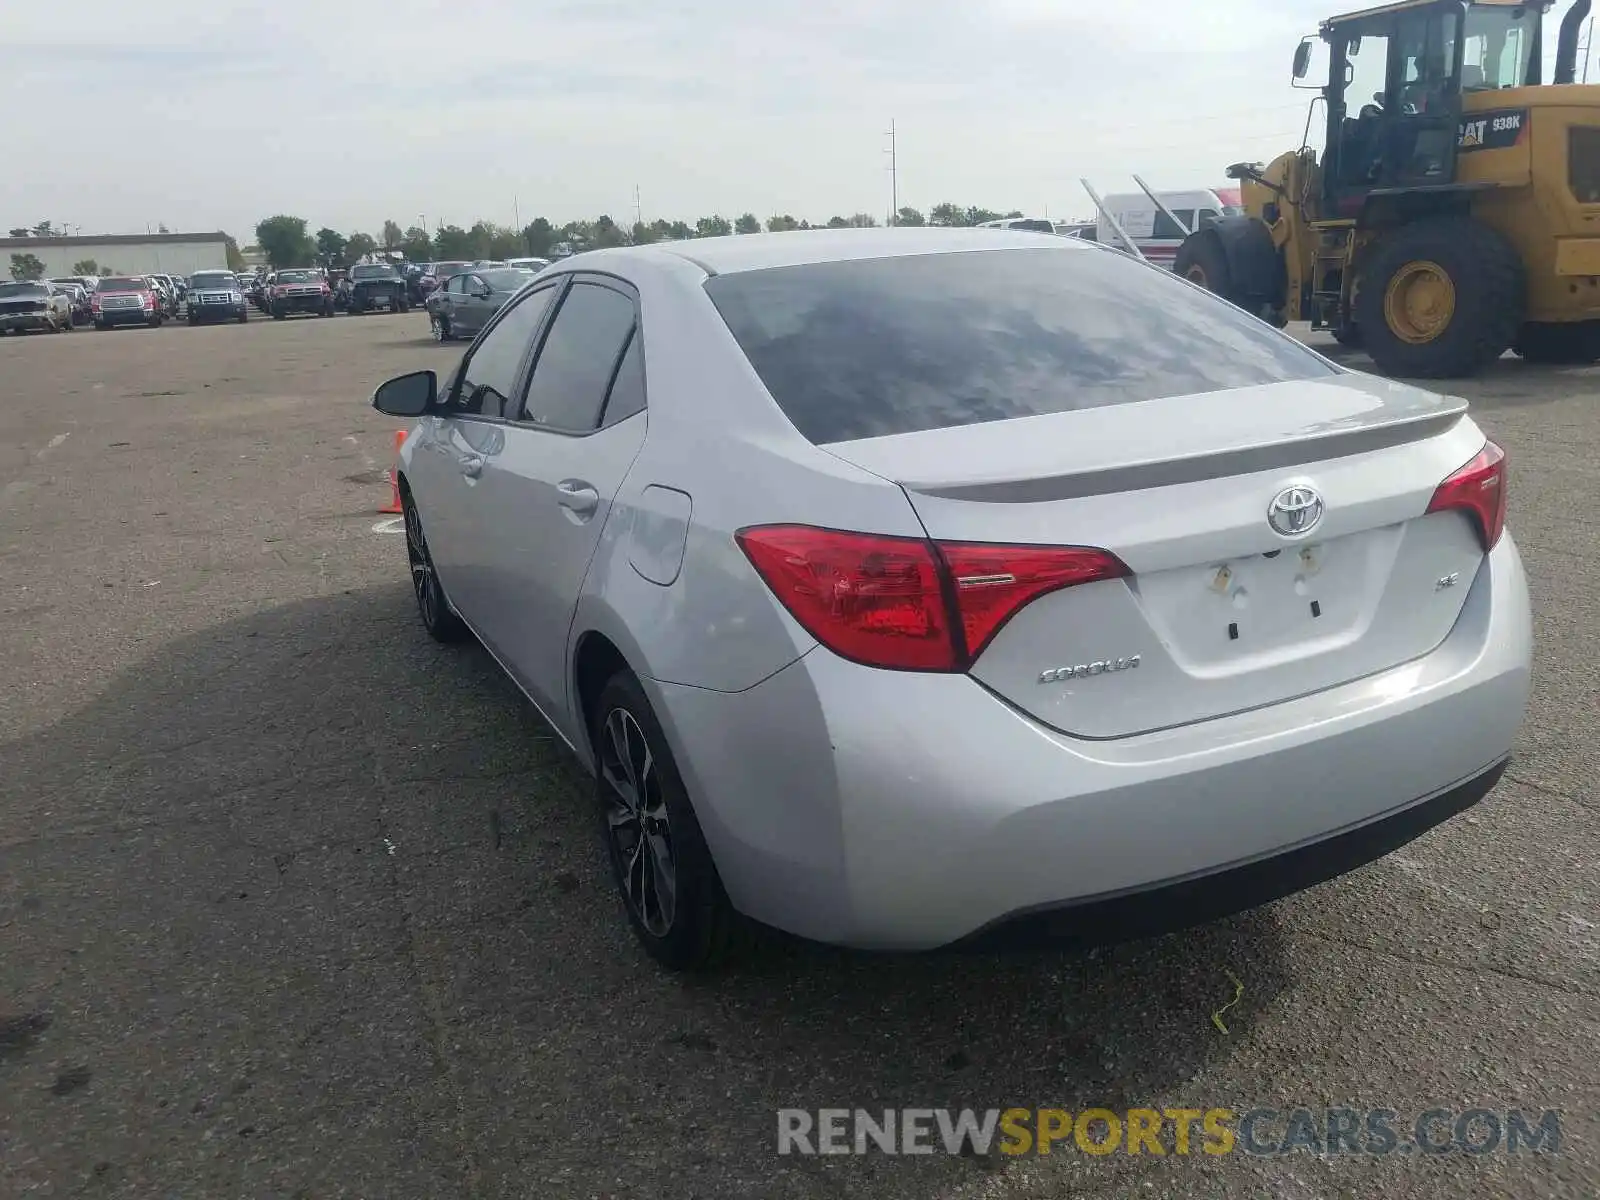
{"type": "Point", "coordinates": [471, 305]}
{"type": "Point", "coordinates": [449, 459]}
{"type": "Point", "coordinates": [450, 306]}
{"type": "Point", "coordinates": [576, 433]}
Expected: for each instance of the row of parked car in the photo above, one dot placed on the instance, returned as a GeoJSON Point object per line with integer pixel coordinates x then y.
{"type": "Point", "coordinates": [459, 296]}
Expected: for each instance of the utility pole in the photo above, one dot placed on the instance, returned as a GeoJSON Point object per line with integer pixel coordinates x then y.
{"type": "Point", "coordinates": [894, 177]}
{"type": "Point", "coordinates": [1588, 47]}
{"type": "Point", "coordinates": [638, 208]}
{"type": "Point", "coordinates": [516, 213]}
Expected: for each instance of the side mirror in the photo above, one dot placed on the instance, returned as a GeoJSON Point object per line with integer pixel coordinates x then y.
{"type": "Point", "coordinates": [407, 395]}
{"type": "Point", "coordinates": [1302, 59]}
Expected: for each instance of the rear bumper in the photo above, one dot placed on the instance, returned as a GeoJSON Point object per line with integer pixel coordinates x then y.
{"type": "Point", "coordinates": [383, 299]}
{"type": "Point", "coordinates": [898, 811]}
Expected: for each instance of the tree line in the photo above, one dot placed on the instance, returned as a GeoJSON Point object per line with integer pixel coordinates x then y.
{"type": "Point", "coordinates": [287, 241]}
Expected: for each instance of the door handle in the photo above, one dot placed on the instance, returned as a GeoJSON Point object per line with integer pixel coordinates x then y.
{"type": "Point", "coordinates": [472, 467]}
{"type": "Point", "coordinates": [577, 497]}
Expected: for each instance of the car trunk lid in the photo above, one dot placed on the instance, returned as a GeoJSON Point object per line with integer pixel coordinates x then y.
{"type": "Point", "coordinates": [1221, 611]}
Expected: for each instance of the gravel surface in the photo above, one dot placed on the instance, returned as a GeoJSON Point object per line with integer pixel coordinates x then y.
{"type": "Point", "coordinates": [296, 903]}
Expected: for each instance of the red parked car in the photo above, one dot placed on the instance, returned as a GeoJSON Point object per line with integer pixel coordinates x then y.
{"type": "Point", "coordinates": [126, 300]}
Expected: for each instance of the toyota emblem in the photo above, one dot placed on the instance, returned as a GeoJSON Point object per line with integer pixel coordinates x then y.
{"type": "Point", "coordinates": [1295, 511]}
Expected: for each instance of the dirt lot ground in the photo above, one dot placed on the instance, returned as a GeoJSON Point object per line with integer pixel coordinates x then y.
{"type": "Point", "coordinates": [296, 903]}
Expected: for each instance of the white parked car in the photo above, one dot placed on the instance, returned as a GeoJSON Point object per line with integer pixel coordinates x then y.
{"type": "Point", "coordinates": [916, 586]}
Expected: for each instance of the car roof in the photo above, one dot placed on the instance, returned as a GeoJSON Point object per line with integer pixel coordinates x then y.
{"type": "Point", "coordinates": [736, 253]}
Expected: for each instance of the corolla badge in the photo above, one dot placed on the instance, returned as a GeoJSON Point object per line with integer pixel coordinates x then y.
{"type": "Point", "coordinates": [1104, 666]}
{"type": "Point", "coordinates": [1295, 511]}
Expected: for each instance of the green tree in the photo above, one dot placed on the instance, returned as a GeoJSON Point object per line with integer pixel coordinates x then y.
{"type": "Point", "coordinates": [679, 231]}
{"type": "Point", "coordinates": [947, 214]}
{"type": "Point", "coordinates": [909, 216]}
{"type": "Point", "coordinates": [417, 246]}
{"type": "Point", "coordinates": [608, 233]}
{"type": "Point", "coordinates": [838, 223]}
{"type": "Point", "coordinates": [235, 259]}
{"type": "Point", "coordinates": [538, 235]}
{"type": "Point", "coordinates": [642, 234]}
{"type": "Point", "coordinates": [747, 223]}
{"type": "Point", "coordinates": [162, 228]}
{"type": "Point", "coordinates": [86, 266]}
{"type": "Point", "coordinates": [359, 246]}
{"type": "Point", "coordinates": [19, 232]}
{"type": "Point", "coordinates": [977, 216]}
{"type": "Point", "coordinates": [44, 229]}
{"type": "Point", "coordinates": [452, 242]}
{"type": "Point", "coordinates": [783, 224]}
{"type": "Point", "coordinates": [502, 242]}
{"type": "Point", "coordinates": [863, 221]}
{"type": "Point", "coordinates": [392, 236]}
{"type": "Point", "coordinates": [285, 241]}
{"type": "Point", "coordinates": [330, 246]}
{"type": "Point", "coordinates": [26, 266]}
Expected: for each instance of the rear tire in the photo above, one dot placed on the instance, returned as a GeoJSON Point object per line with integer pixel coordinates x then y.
{"type": "Point", "coordinates": [440, 328]}
{"type": "Point", "coordinates": [660, 863]}
{"type": "Point", "coordinates": [1440, 299]}
{"type": "Point", "coordinates": [1573, 344]}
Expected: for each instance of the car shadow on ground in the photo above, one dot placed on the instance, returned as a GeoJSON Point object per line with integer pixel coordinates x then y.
{"type": "Point", "coordinates": [307, 899]}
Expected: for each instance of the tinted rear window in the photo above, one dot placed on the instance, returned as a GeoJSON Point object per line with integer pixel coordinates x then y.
{"type": "Point", "coordinates": [870, 347]}
{"type": "Point", "coordinates": [123, 283]}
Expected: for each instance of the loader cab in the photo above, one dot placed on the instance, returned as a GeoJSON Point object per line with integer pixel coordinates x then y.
{"type": "Point", "coordinates": [1395, 84]}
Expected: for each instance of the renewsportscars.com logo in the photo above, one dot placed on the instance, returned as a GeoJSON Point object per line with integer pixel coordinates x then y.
{"type": "Point", "coordinates": [1262, 1132]}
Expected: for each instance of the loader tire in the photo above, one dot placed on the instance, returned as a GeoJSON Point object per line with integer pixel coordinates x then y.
{"type": "Point", "coordinates": [1201, 260]}
{"type": "Point", "coordinates": [1574, 344]}
{"type": "Point", "coordinates": [1440, 299]}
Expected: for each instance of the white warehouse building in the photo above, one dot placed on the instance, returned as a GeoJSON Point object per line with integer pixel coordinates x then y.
{"type": "Point", "coordinates": [124, 254]}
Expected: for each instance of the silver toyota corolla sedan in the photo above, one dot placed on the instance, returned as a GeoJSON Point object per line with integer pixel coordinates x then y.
{"type": "Point", "coordinates": [914, 587]}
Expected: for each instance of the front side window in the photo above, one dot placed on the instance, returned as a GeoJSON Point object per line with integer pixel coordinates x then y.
{"type": "Point", "coordinates": [870, 347]}
{"type": "Point", "coordinates": [489, 374]}
{"type": "Point", "coordinates": [579, 359]}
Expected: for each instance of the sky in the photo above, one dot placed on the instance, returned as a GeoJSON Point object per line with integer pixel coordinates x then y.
{"type": "Point", "coordinates": [212, 114]}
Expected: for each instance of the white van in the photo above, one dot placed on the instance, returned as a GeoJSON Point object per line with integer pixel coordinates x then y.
{"type": "Point", "coordinates": [1156, 236]}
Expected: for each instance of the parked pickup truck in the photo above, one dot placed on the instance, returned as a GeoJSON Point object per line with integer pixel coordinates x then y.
{"type": "Point", "coordinates": [376, 285]}
{"type": "Point", "coordinates": [34, 304]}
{"type": "Point", "coordinates": [299, 290]}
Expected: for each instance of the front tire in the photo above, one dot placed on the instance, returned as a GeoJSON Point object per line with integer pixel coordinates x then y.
{"type": "Point", "coordinates": [1440, 299]}
{"type": "Point", "coordinates": [433, 606]}
{"type": "Point", "coordinates": [660, 863]}
{"type": "Point", "coordinates": [1202, 261]}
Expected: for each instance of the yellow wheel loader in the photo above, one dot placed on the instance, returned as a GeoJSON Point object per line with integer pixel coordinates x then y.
{"type": "Point", "coordinates": [1455, 210]}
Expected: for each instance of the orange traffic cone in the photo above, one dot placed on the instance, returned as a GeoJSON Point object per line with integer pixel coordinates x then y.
{"type": "Point", "coordinates": [394, 476]}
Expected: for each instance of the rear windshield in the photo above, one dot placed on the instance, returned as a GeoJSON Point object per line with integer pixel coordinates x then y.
{"type": "Point", "coordinates": [869, 347]}
{"type": "Point", "coordinates": [507, 279]}
{"type": "Point", "coordinates": [374, 272]}
{"type": "Point", "coordinates": [213, 279]}
{"type": "Point", "coordinates": [449, 268]}
{"type": "Point", "coordinates": [122, 283]}
{"type": "Point", "coordinates": [23, 289]}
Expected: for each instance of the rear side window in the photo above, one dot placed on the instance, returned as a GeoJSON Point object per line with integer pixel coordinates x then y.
{"type": "Point", "coordinates": [579, 359]}
{"type": "Point", "coordinates": [870, 347]}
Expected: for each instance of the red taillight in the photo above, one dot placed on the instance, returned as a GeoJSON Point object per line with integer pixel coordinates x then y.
{"type": "Point", "coordinates": [1478, 489]}
{"type": "Point", "coordinates": [887, 601]}
{"type": "Point", "coordinates": [994, 582]}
